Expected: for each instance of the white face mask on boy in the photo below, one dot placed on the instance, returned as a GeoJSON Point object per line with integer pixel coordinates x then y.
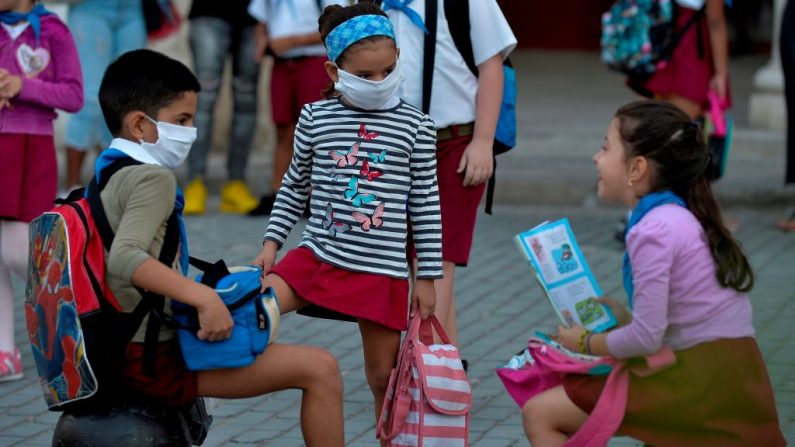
{"type": "Point", "coordinates": [369, 95]}
{"type": "Point", "coordinates": [172, 145]}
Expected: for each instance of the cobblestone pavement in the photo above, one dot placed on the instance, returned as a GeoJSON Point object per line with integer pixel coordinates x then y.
{"type": "Point", "coordinates": [499, 307]}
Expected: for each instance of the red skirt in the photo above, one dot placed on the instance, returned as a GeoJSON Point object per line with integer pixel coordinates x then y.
{"type": "Point", "coordinates": [28, 176]}
{"type": "Point", "coordinates": [718, 394]}
{"type": "Point", "coordinates": [378, 298]}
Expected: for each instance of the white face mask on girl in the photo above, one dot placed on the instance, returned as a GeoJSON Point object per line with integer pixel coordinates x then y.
{"type": "Point", "coordinates": [172, 145]}
{"type": "Point", "coordinates": [369, 95]}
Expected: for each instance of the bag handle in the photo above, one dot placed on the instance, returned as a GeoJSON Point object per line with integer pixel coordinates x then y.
{"type": "Point", "coordinates": [426, 327]}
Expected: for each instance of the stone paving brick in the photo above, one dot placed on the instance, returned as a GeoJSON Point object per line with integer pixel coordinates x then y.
{"type": "Point", "coordinates": [499, 308]}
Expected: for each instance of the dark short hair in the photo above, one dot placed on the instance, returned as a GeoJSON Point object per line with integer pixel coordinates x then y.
{"type": "Point", "coordinates": [142, 80]}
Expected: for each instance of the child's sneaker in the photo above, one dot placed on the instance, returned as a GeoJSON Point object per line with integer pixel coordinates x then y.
{"type": "Point", "coordinates": [195, 197]}
{"type": "Point", "coordinates": [10, 366]}
{"type": "Point", "coordinates": [237, 198]}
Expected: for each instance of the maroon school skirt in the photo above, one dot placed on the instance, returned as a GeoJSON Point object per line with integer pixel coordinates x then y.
{"type": "Point", "coordinates": [687, 73]}
{"type": "Point", "coordinates": [718, 394]}
{"type": "Point", "coordinates": [378, 298]}
{"type": "Point", "coordinates": [28, 175]}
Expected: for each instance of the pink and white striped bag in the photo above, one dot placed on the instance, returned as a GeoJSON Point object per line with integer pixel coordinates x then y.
{"type": "Point", "coordinates": [428, 398]}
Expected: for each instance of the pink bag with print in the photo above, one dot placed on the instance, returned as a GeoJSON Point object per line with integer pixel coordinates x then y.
{"type": "Point", "coordinates": [551, 363]}
{"type": "Point", "coordinates": [428, 395]}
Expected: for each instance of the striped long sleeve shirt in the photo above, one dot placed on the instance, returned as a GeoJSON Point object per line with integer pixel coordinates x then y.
{"type": "Point", "coordinates": [369, 174]}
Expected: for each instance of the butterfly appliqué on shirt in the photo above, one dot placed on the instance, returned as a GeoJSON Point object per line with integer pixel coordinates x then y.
{"type": "Point", "coordinates": [349, 158]}
{"type": "Point", "coordinates": [333, 227]}
{"type": "Point", "coordinates": [367, 173]}
{"type": "Point", "coordinates": [32, 62]}
{"type": "Point", "coordinates": [356, 197]}
{"type": "Point", "coordinates": [374, 220]}
{"type": "Point", "coordinates": [378, 158]}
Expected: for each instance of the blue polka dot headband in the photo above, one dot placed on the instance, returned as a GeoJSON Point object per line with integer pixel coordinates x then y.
{"type": "Point", "coordinates": [354, 30]}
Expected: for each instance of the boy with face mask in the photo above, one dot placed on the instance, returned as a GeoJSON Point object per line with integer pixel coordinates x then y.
{"type": "Point", "coordinates": [149, 104]}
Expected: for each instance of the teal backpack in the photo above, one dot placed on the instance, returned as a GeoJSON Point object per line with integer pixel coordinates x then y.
{"type": "Point", "coordinates": [639, 36]}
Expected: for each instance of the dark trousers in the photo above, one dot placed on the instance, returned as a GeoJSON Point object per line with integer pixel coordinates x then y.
{"type": "Point", "coordinates": [787, 43]}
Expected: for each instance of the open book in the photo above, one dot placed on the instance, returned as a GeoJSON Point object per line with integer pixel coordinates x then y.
{"type": "Point", "coordinates": [564, 275]}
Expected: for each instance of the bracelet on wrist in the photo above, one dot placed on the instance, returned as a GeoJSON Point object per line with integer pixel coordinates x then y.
{"type": "Point", "coordinates": [587, 343]}
{"type": "Point", "coordinates": [582, 340]}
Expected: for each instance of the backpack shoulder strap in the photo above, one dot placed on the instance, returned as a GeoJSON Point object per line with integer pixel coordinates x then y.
{"type": "Point", "coordinates": [95, 202]}
{"type": "Point", "coordinates": [457, 13]}
{"type": "Point", "coordinates": [429, 52]}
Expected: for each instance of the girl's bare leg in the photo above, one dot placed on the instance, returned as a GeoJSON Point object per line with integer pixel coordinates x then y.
{"type": "Point", "coordinates": [280, 367]}
{"type": "Point", "coordinates": [381, 346]}
{"type": "Point", "coordinates": [550, 417]}
{"type": "Point", "coordinates": [288, 300]}
{"type": "Point", "coordinates": [445, 302]}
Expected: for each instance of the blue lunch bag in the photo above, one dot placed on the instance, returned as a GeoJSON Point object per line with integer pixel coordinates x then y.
{"type": "Point", "coordinates": [256, 318]}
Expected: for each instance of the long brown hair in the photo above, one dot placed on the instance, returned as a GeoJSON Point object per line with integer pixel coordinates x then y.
{"type": "Point", "coordinates": [665, 135]}
{"type": "Point", "coordinates": [335, 15]}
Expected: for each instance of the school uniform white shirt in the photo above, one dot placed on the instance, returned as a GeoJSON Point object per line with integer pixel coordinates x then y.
{"type": "Point", "coordinates": [454, 86]}
{"type": "Point", "coordinates": [286, 18]}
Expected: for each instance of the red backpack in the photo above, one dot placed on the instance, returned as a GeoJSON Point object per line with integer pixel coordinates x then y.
{"type": "Point", "coordinates": [77, 329]}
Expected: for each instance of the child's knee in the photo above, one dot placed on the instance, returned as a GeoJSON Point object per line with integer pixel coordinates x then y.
{"type": "Point", "coordinates": [326, 372]}
{"type": "Point", "coordinates": [378, 376]}
{"type": "Point", "coordinates": [532, 415]}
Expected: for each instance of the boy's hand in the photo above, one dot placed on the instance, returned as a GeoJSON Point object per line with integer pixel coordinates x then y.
{"type": "Point", "coordinates": [10, 85]}
{"type": "Point", "coordinates": [423, 298]}
{"type": "Point", "coordinates": [621, 313]}
{"type": "Point", "coordinates": [214, 319]}
{"type": "Point", "coordinates": [283, 44]}
{"type": "Point", "coordinates": [477, 163]}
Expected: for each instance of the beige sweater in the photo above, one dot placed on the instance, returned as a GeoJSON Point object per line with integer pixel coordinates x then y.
{"type": "Point", "coordinates": [138, 201]}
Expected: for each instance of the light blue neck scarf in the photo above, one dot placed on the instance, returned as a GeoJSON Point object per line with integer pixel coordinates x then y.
{"type": "Point", "coordinates": [403, 6]}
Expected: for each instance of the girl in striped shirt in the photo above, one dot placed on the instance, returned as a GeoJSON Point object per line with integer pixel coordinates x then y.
{"type": "Point", "coordinates": [367, 159]}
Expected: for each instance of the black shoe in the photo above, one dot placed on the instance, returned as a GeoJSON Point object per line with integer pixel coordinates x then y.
{"type": "Point", "coordinates": [466, 365]}
{"type": "Point", "coordinates": [264, 207]}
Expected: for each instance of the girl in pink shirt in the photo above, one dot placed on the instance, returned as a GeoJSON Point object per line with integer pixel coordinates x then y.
{"type": "Point", "coordinates": [39, 72]}
{"type": "Point", "coordinates": [687, 281]}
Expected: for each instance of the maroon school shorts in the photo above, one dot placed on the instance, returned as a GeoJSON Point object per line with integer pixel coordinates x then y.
{"type": "Point", "coordinates": [459, 203]}
{"type": "Point", "coordinates": [173, 383]}
{"type": "Point", "coordinates": [295, 82]}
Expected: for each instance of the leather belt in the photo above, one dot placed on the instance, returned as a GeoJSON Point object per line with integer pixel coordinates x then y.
{"type": "Point", "coordinates": [455, 131]}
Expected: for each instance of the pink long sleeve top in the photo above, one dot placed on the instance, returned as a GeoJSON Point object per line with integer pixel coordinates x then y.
{"type": "Point", "coordinates": [678, 301]}
{"type": "Point", "coordinates": [51, 77]}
